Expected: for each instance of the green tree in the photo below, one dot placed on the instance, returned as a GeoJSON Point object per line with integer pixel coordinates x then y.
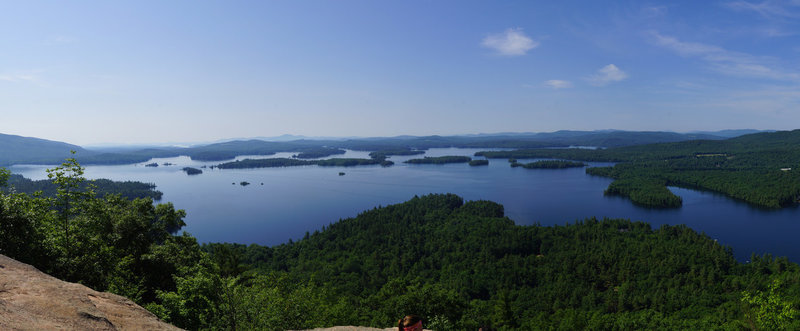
{"type": "Point", "coordinates": [69, 201]}
{"type": "Point", "coordinates": [768, 310]}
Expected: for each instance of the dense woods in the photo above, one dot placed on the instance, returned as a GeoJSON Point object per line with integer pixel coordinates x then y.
{"type": "Point", "coordinates": [475, 163]}
{"type": "Point", "coordinates": [762, 169]}
{"type": "Point", "coordinates": [440, 160]}
{"type": "Point", "coordinates": [315, 153]}
{"type": "Point", "coordinates": [549, 164]}
{"type": "Point", "coordinates": [192, 171]}
{"type": "Point", "coordinates": [101, 187]}
{"type": "Point", "coordinates": [264, 163]}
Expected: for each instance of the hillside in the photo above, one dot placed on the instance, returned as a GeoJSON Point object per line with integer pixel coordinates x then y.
{"type": "Point", "coordinates": [462, 265]}
{"type": "Point", "coordinates": [18, 149]}
{"type": "Point", "coordinates": [33, 300]}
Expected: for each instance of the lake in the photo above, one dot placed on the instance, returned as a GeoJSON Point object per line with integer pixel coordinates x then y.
{"type": "Point", "coordinates": [284, 203]}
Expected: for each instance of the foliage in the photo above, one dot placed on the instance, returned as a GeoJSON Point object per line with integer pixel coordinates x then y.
{"type": "Point", "coordinates": [643, 191]}
{"type": "Point", "coordinates": [761, 169]}
{"type": "Point", "coordinates": [769, 310]}
{"type": "Point", "coordinates": [192, 171]}
{"type": "Point", "coordinates": [440, 160]}
{"type": "Point", "coordinates": [549, 164]}
{"type": "Point", "coordinates": [347, 162]}
{"type": "Point", "coordinates": [463, 265]}
{"type": "Point", "coordinates": [460, 265]}
{"type": "Point", "coordinates": [102, 187]}
{"type": "Point", "coordinates": [315, 153]}
{"type": "Point", "coordinates": [264, 163]}
{"type": "Point", "coordinates": [110, 244]}
{"type": "Point", "coordinates": [479, 162]}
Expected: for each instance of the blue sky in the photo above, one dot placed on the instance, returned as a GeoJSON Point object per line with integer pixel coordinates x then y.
{"type": "Point", "coordinates": [90, 72]}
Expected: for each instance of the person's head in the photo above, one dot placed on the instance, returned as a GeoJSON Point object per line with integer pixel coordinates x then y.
{"type": "Point", "coordinates": [410, 323]}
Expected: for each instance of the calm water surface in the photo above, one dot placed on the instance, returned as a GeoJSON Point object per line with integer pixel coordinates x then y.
{"type": "Point", "coordinates": [294, 200]}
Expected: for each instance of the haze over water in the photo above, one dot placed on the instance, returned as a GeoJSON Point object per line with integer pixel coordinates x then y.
{"type": "Point", "coordinates": [294, 200]}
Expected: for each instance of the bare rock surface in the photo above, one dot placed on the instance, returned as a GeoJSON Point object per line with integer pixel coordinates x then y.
{"type": "Point", "coordinates": [33, 300]}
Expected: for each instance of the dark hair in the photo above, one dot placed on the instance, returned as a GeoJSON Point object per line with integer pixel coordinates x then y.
{"type": "Point", "coordinates": [409, 320]}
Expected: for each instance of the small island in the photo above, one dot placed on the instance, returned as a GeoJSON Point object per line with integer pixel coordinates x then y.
{"type": "Point", "coordinates": [347, 162]}
{"type": "Point", "coordinates": [244, 183]}
{"type": "Point", "coordinates": [192, 171]}
{"type": "Point", "coordinates": [151, 165]}
{"type": "Point", "coordinates": [476, 163]}
{"type": "Point", "coordinates": [440, 160]}
{"type": "Point", "coordinates": [316, 153]}
{"type": "Point", "coordinates": [645, 192]}
{"type": "Point", "coordinates": [384, 153]}
{"type": "Point", "coordinates": [549, 164]}
{"type": "Point", "coordinates": [387, 163]}
{"type": "Point", "coordinates": [264, 163]}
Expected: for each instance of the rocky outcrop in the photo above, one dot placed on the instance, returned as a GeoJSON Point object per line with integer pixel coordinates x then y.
{"type": "Point", "coordinates": [33, 300]}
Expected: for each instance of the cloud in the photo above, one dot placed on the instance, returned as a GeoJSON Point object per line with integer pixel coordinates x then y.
{"type": "Point", "coordinates": [725, 61]}
{"type": "Point", "coordinates": [558, 84]}
{"type": "Point", "coordinates": [770, 9]}
{"type": "Point", "coordinates": [512, 42]}
{"type": "Point", "coordinates": [606, 75]}
{"type": "Point", "coordinates": [14, 78]}
{"type": "Point", "coordinates": [60, 40]}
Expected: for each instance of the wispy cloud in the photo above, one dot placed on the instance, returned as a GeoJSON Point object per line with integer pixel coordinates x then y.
{"type": "Point", "coordinates": [512, 42]}
{"type": "Point", "coordinates": [60, 40]}
{"type": "Point", "coordinates": [19, 77]}
{"type": "Point", "coordinates": [606, 75]}
{"type": "Point", "coordinates": [725, 61]}
{"type": "Point", "coordinates": [770, 9]}
{"type": "Point", "coordinates": [558, 84]}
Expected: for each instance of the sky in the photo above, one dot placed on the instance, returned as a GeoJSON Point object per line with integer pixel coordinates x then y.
{"type": "Point", "coordinates": [136, 72]}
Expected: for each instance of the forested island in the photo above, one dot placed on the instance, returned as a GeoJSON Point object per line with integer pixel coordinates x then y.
{"type": "Point", "coordinates": [460, 265]}
{"type": "Point", "coordinates": [385, 153]}
{"type": "Point", "coordinates": [192, 171]}
{"type": "Point", "coordinates": [756, 168]}
{"type": "Point", "coordinates": [285, 162]}
{"type": "Point", "coordinates": [549, 164]}
{"type": "Point", "coordinates": [316, 153]}
{"type": "Point", "coordinates": [440, 160]}
{"type": "Point", "coordinates": [476, 163]}
{"type": "Point", "coordinates": [264, 163]}
{"type": "Point", "coordinates": [347, 162]}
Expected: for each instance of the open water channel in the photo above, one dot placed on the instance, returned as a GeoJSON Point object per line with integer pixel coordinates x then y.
{"type": "Point", "coordinates": [284, 203]}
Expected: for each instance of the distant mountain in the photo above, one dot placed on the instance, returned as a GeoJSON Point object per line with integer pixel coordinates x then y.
{"type": "Point", "coordinates": [18, 149]}
{"type": "Point", "coordinates": [731, 133]}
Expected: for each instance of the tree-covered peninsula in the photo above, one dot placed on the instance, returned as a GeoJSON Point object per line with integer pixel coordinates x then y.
{"type": "Point", "coordinates": [101, 187]}
{"type": "Point", "coordinates": [440, 160]}
{"type": "Point", "coordinates": [762, 169]}
{"type": "Point", "coordinates": [549, 164]}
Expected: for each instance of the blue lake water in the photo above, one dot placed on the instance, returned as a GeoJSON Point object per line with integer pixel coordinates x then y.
{"type": "Point", "coordinates": [294, 200]}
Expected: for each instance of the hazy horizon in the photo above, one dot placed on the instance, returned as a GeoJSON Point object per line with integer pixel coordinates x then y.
{"type": "Point", "coordinates": [148, 72]}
